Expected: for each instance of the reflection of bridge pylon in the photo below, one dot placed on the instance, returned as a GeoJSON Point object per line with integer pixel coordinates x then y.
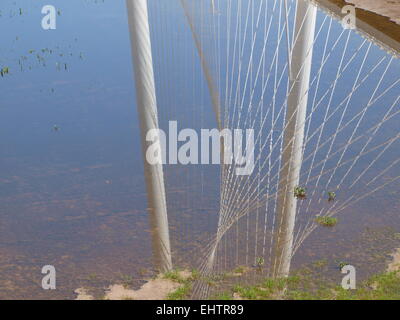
{"type": "Point", "coordinates": [147, 110]}
{"type": "Point", "coordinates": [213, 9]}
{"type": "Point", "coordinates": [300, 67]}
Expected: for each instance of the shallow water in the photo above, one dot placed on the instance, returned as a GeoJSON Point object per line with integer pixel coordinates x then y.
{"type": "Point", "coordinates": [75, 197]}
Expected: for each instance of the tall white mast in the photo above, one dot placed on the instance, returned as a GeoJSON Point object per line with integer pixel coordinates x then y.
{"type": "Point", "coordinates": [147, 110]}
{"type": "Point", "coordinates": [301, 59]}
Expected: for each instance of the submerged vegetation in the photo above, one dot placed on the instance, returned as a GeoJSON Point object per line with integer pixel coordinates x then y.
{"type": "Point", "coordinates": [181, 293]}
{"type": "Point", "coordinates": [311, 283]}
{"type": "Point", "coordinates": [4, 71]}
{"type": "Point", "coordinates": [331, 196]}
{"type": "Point", "coordinates": [174, 275]}
{"type": "Point", "coordinates": [300, 192]}
{"type": "Point", "coordinates": [326, 221]}
{"type": "Point", "coordinates": [185, 278]}
{"type": "Point", "coordinates": [260, 262]}
{"type": "Point", "coordinates": [384, 286]}
{"type": "Point", "coordinates": [342, 264]}
{"type": "Point", "coordinates": [304, 284]}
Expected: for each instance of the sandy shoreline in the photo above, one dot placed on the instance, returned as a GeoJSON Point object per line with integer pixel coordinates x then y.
{"type": "Point", "coordinates": [155, 289]}
{"type": "Point", "coordinates": [394, 265]}
{"type": "Point", "coordinates": [160, 287]}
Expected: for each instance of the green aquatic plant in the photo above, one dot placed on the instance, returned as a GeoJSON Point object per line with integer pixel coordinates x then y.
{"type": "Point", "coordinates": [246, 292]}
{"type": "Point", "coordinates": [181, 293]}
{"type": "Point", "coordinates": [181, 276]}
{"type": "Point", "coordinates": [226, 295]}
{"type": "Point", "coordinates": [326, 221]}
{"type": "Point", "coordinates": [331, 196]}
{"type": "Point", "coordinates": [185, 281]}
{"type": "Point", "coordinates": [239, 269]}
{"type": "Point", "coordinates": [259, 262]}
{"type": "Point", "coordinates": [173, 275]}
{"type": "Point", "coordinates": [195, 274]}
{"type": "Point", "coordinates": [92, 277]}
{"type": "Point", "coordinates": [4, 71]}
{"type": "Point", "coordinates": [300, 192]}
{"type": "Point", "coordinates": [320, 263]}
{"type": "Point", "coordinates": [127, 280]}
{"type": "Point", "coordinates": [385, 286]}
{"type": "Point", "coordinates": [342, 264]}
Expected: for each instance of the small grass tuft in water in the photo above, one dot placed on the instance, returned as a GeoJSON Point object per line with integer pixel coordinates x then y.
{"type": "Point", "coordinates": [186, 281]}
{"type": "Point", "coordinates": [326, 221]}
{"type": "Point", "coordinates": [247, 292]}
{"type": "Point", "coordinates": [92, 276]}
{"type": "Point", "coordinates": [320, 263]}
{"type": "Point", "coordinates": [342, 264]}
{"type": "Point", "coordinates": [127, 280]}
{"type": "Point", "coordinates": [222, 296]}
{"type": "Point", "coordinates": [4, 71]}
{"type": "Point", "coordinates": [331, 196]}
{"type": "Point", "coordinates": [240, 269]}
{"type": "Point", "coordinates": [303, 286]}
{"type": "Point", "coordinates": [182, 292]}
{"type": "Point", "coordinates": [195, 274]}
{"type": "Point", "coordinates": [260, 261]}
{"type": "Point", "coordinates": [300, 193]}
{"type": "Point", "coordinates": [174, 275]}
